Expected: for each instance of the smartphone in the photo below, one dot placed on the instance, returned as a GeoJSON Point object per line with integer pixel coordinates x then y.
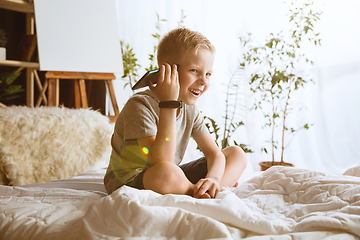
{"type": "Point", "coordinates": [150, 77]}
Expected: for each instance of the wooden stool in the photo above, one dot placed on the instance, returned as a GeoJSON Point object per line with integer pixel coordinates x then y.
{"type": "Point", "coordinates": [53, 82]}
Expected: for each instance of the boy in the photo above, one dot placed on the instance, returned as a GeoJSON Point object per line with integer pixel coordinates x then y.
{"type": "Point", "coordinates": [154, 127]}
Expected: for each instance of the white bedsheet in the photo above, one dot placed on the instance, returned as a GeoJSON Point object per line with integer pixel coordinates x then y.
{"type": "Point", "coordinates": [43, 213]}
{"type": "Point", "coordinates": [92, 180]}
{"type": "Point", "coordinates": [281, 203]}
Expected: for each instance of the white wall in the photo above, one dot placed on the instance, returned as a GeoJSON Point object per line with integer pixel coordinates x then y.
{"type": "Point", "coordinates": [333, 102]}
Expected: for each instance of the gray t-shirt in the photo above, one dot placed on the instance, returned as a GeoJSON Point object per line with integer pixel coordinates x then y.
{"type": "Point", "coordinates": [139, 118]}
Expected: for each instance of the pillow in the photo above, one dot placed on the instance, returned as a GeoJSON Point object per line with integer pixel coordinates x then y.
{"type": "Point", "coordinates": [48, 143]}
{"type": "Point", "coordinates": [354, 171]}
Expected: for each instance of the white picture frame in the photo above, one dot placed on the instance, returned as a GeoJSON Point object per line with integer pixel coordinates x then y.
{"type": "Point", "coordinates": [78, 36]}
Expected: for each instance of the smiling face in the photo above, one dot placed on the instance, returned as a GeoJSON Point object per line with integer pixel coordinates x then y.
{"type": "Point", "coordinates": [195, 70]}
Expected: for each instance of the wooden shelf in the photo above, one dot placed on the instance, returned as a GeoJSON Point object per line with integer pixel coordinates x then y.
{"type": "Point", "coordinates": [14, 63]}
{"type": "Point", "coordinates": [17, 5]}
{"type": "Point", "coordinates": [27, 7]}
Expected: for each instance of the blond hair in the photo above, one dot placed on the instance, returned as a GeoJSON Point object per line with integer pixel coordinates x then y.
{"type": "Point", "coordinates": [177, 42]}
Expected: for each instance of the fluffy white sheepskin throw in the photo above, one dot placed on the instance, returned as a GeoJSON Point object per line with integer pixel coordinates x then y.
{"type": "Point", "coordinates": [47, 143]}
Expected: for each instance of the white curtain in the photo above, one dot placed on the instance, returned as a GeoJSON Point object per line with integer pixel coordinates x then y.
{"type": "Point", "coordinates": [332, 104]}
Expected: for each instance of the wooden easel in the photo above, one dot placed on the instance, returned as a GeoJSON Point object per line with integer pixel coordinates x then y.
{"type": "Point", "coordinates": [53, 82]}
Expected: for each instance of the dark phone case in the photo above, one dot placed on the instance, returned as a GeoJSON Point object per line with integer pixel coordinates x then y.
{"type": "Point", "coordinates": [150, 77]}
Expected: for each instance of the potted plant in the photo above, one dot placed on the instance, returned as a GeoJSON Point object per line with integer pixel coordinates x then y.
{"type": "Point", "coordinates": [277, 69]}
{"type": "Point", "coordinates": [3, 41]}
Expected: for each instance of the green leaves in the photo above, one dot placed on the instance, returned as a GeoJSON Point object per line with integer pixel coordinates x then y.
{"type": "Point", "coordinates": [157, 36]}
{"type": "Point", "coordinates": [277, 69]}
{"type": "Point", "coordinates": [299, 82]}
{"type": "Point", "coordinates": [273, 42]}
{"type": "Point", "coordinates": [231, 124]}
{"type": "Point", "coordinates": [214, 130]}
{"type": "Point", "coordinates": [182, 18]}
{"type": "Point", "coordinates": [279, 78]}
{"type": "Point", "coordinates": [8, 91]}
{"type": "Point", "coordinates": [306, 29]}
{"type": "Point", "coordinates": [130, 65]}
{"type": "Point", "coordinates": [254, 78]}
{"type": "Point", "coordinates": [244, 147]}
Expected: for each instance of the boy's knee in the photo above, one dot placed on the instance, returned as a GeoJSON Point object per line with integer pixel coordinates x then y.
{"type": "Point", "coordinates": [236, 150]}
{"type": "Point", "coordinates": [235, 153]}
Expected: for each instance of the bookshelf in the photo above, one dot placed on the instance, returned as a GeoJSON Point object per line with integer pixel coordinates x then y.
{"type": "Point", "coordinates": [15, 63]}
{"type": "Point", "coordinates": [17, 5]}
{"type": "Point", "coordinates": [26, 7]}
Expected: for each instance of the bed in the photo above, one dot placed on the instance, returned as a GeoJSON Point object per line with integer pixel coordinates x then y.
{"type": "Point", "coordinates": [280, 203]}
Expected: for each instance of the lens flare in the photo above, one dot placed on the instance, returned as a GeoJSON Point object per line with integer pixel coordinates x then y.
{"type": "Point", "coordinates": [145, 150]}
{"type": "Point", "coordinates": [167, 139]}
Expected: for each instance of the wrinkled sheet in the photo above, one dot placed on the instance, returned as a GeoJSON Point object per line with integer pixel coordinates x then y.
{"type": "Point", "coordinates": [51, 210]}
{"type": "Point", "coordinates": [281, 203]}
{"type": "Point", "coordinates": [289, 202]}
{"type": "Point", "coordinates": [43, 213]}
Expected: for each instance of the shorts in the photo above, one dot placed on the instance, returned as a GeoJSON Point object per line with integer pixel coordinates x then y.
{"type": "Point", "coordinates": [194, 171]}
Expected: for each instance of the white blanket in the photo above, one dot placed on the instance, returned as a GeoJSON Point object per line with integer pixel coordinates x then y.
{"type": "Point", "coordinates": [43, 213]}
{"type": "Point", "coordinates": [282, 203]}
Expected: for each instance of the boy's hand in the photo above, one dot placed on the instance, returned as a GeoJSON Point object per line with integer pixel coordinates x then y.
{"type": "Point", "coordinates": [206, 188]}
{"type": "Point", "coordinates": [167, 87]}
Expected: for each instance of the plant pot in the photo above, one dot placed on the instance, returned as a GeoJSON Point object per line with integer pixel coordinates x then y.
{"type": "Point", "coordinates": [2, 53]}
{"type": "Point", "coordinates": [266, 165]}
